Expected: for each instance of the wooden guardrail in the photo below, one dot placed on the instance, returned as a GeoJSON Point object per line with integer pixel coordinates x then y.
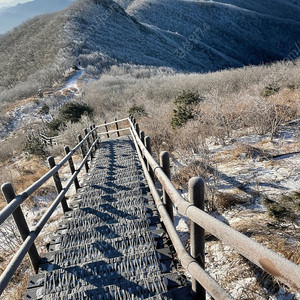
{"type": "Point", "coordinates": [194, 262]}
{"type": "Point", "coordinates": [87, 145]}
{"type": "Point", "coordinates": [279, 267]}
{"type": "Point", "coordinates": [49, 140]}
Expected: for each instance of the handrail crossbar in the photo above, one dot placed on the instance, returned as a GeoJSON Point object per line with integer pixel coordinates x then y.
{"type": "Point", "coordinates": [112, 123]}
{"type": "Point", "coordinates": [15, 203]}
{"type": "Point", "coordinates": [281, 268]}
{"type": "Point", "coordinates": [19, 256]}
{"type": "Point", "coordinates": [188, 262]}
{"type": "Point", "coordinates": [114, 131]}
{"type": "Point", "coordinates": [16, 200]}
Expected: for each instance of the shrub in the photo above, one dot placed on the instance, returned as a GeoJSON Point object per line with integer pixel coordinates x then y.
{"type": "Point", "coordinates": [44, 109]}
{"type": "Point", "coordinates": [226, 200]}
{"type": "Point", "coordinates": [35, 146]}
{"type": "Point", "coordinates": [70, 112]}
{"type": "Point", "coordinates": [285, 208]}
{"type": "Point", "coordinates": [54, 126]}
{"type": "Point", "coordinates": [137, 111]}
{"type": "Point", "coordinates": [270, 90]}
{"type": "Point", "coordinates": [185, 103]}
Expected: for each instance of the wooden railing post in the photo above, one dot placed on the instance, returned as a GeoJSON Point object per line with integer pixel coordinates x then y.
{"type": "Point", "coordinates": [79, 137]}
{"type": "Point", "coordinates": [142, 136]}
{"type": "Point", "coordinates": [9, 195]}
{"type": "Point", "coordinates": [106, 129]}
{"type": "Point", "coordinates": [58, 184]}
{"type": "Point", "coordinates": [196, 197]}
{"type": "Point", "coordinates": [93, 133]}
{"type": "Point", "coordinates": [148, 147]}
{"type": "Point", "coordinates": [96, 136]}
{"type": "Point", "coordinates": [117, 127]}
{"type": "Point", "coordinates": [137, 128]}
{"type": "Point", "coordinates": [72, 168]}
{"type": "Point", "coordinates": [86, 132]}
{"type": "Point", "coordinates": [165, 164]}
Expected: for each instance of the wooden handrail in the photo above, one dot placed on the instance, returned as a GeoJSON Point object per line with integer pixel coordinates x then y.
{"type": "Point", "coordinates": [13, 207]}
{"type": "Point", "coordinates": [19, 199]}
{"type": "Point", "coordinates": [14, 201]}
{"type": "Point", "coordinates": [187, 261]}
{"type": "Point", "coordinates": [276, 265]}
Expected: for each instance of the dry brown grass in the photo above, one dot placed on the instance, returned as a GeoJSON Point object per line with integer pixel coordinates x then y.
{"type": "Point", "coordinates": [20, 103]}
{"type": "Point", "coordinates": [23, 173]}
{"type": "Point", "coordinates": [161, 134]}
{"type": "Point", "coordinates": [242, 151]}
{"type": "Point", "coordinates": [279, 238]}
{"type": "Point", "coordinates": [195, 168]}
{"type": "Point", "coordinates": [288, 98]}
{"type": "Point", "coordinates": [18, 285]}
{"type": "Point", "coordinates": [225, 200]}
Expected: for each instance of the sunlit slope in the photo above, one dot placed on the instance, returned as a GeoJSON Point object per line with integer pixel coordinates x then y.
{"type": "Point", "coordinates": [186, 36]}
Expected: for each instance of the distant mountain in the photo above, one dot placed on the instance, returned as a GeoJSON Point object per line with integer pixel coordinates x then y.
{"type": "Point", "coordinates": [186, 36]}
{"type": "Point", "coordinates": [11, 3]}
{"type": "Point", "coordinates": [3, 9]}
{"type": "Point", "coordinates": [230, 31]}
{"type": "Point", "coordinates": [14, 16]}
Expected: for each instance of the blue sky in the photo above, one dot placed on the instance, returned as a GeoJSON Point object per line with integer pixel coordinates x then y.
{"type": "Point", "coordinates": [11, 2]}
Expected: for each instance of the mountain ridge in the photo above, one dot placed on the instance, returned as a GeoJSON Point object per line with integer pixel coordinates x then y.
{"type": "Point", "coordinates": [15, 15]}
{"type": "Point", "coordinates": [186, 36]}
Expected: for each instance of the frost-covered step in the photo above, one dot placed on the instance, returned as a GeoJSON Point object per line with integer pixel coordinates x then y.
{"type": "Point", "coordinates": [142, 236]}
{"type": "Point", "coordinates": [102, 251]}
{"type": "Point", "coordinates": [109, 175]}
{"type": "Point", "coordinates": [121, 203]}
{"type": "Point", "coordinates": [127, 160]}
{"type": "Point", "coordinates": [108, 230]}
{"type": "Point", "coordinates": [114, 171]}
{"type": "Point", "coordinates": [77, 238]}
{"type": "Point", "coordinates": [92, 252]}
{"type": "Point", "coordinates": [110, 188]}
{"type": "Point", "coordinates": [111, 194]}
{"type": "Point", "coordinates": [132, 213]}
{"type": "Point", "coordinates": [116, 167]}
{"type": "Point", "coordinates": [122, 217]}
{"type": "Point", "coordinates": [102, 218]}
{"type": "Point", "coordinates": [126, 204]}
{"type": "Point", "coordinates": [170, 281]}
{"type": "Point", "coordinates": [102, 272]}
{"type": "Point", "coordinates": [93, 221]}
{"type": "Point", "coordinates": [87, 208]}
{"type": "Point", "coordinates": [142, 289]}
{"type": "Point", "coordinates": [111, 180]}
{"type": "Point", "coordinates": [113, 187]}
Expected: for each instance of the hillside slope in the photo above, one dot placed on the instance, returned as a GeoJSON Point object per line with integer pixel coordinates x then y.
{"type": "Point", "coordinates": [286, 9]}
{"type": "Point", "coordinates": [185, 36]}
{"type": "Point", "coordinates": [29, 56]}
{"type": "Point", "coordinates": [14, 16]}
{"type": "Point", "coordinates": [223, 31]}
